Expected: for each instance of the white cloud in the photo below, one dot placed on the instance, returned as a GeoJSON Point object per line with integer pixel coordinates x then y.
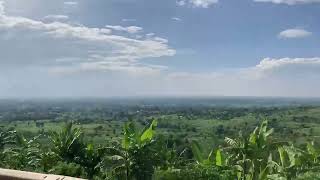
{"type": "Point", "coordinates": [289, 2]}
{"type": "Point", "coordinates": [71, 3]}
{"type": "Point", "coordinates": [176, 19]}
{"type": "Point", "coordinates": [270, 77]}
{"type": "Point", "coordinates": [162, 40]}
{"type": "Point", "coordinates": [203, 3]}
{"type": "Point", "coordinates": [181, 2]}
{"type": "Point", "coordinates": [150, 35]}
{"type": "Point", "coordinates": [27, 42]}
{"type": "Point", "coordinates": [129, 20]}
{"type": "Point", "coordinates": [88, 61]}
{"type": "Point", "coordinates": [288, 66]}
{"type": "Point", "coordinates": [294, 33]}
{"type": "Point", "coordinates": [197, 3]}
{"type": "Point", "coordinates": [129, 29]}
{"type": "Point", "coordinates": [56, 17]}
{"type": "Point", "coordinates": [1, 7]}
{"type": "Point", "coordinates": [127, 68]}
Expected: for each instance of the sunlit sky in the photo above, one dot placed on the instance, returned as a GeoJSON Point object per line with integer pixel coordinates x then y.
{"type": "Point", "coordinates": [84, 48]}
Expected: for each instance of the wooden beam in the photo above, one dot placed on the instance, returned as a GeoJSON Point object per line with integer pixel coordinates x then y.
{"type": "Point", "coordinates": [8, 174]}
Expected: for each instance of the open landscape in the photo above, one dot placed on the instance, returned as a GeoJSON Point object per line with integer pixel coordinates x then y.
{"type": "Point", "coordinates": [159, 89]}
{"type": "Point", "coordinates": [87, 137]}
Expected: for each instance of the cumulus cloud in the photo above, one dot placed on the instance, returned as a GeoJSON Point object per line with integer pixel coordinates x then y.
{"type": "Point", "coordinates": [59, 59]}
{"type": "Point", "coordinates": [124, 68]}
{"type": "Point", "coordinates": [129, 29]}
{"type": "Point", "coordinates": [181, 2]}
{"type": "Point", "coordinates": [27, 42]}
{"type": "Point", "coordinates": [270, 77]}
{"type": "Point", "coordinates": [197, 3]}
{"type": "Point", "coordinates": [288, 66]}
{"type": "Point", "coordinates": [71, 3]}
{"type": "Point", "coordinates": [56, 17]}
{"type": "Point", "coordinates": [128, 20]}
{"type": "Point", "coordinates": [176, 19]}
{"type": "Point", "coordinates": [1, 7]}
{"type": "Point", "coordinates": [289, 2]}
{"type": "Point", "coordinates": [294, 33]}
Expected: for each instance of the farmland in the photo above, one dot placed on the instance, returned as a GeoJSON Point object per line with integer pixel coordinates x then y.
{"type": "Point", "coordinates": [179, 123]}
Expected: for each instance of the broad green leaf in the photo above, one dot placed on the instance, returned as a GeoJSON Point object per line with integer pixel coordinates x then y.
{"type": "Point", "coordinates": [125, 139]}
{"type": "Point", "coordinates": [253, 136]}
{"type": "Point", "coordinates": [282, 156]}
{"type": "Point", "coordinates": [311, 149]}
{"type": "Point", "coordinates": [90, 147]}
{"type": "Point", "coordinates": [211, 156]}
{"type": "Point", "coordinates": [292, 156]}
{"type": "Point", "coordinates": [239, 175]}
{"type": "Point", "coordinates": [219, 158]}
{"type": "Point", "coordinates": [197, 152]}
{"type": "Point", "coordinates": [149, 133]}
{"type": "Point", "coordinates": [263, 174]}
{"type": "Point", "coordinates": [269, 132]}
{"type": "Point", "coordinates": [263, 127]}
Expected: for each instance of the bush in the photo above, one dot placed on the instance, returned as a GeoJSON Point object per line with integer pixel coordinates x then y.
{"type": "Point", "coordinates": [309, 176]}
{"type": "Point", "coordinates": [193, 172]}
{"type": "Point", "coordinates": [68, 169]}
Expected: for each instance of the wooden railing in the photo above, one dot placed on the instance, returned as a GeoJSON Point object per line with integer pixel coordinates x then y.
{"type": "Point", "coordinates": [8, 174]}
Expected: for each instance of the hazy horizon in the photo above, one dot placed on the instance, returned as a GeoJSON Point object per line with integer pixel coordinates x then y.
{"type": "Point", "coordinates": [156, 97]}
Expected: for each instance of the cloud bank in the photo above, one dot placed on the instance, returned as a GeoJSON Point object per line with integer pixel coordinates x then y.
{"type": "Point", "coordinates": [129, 29]}
{"type": "Point", "coordinates": [294, 33]}
{"type": "Point", "coordinates": [61, 45]}
{"type": "Point", "coordinates": [56, 17]}
{"type": "Point", "coordinates": [197, 3]}
{"type": "Point", "coordinates": [59, 59]}
{"type": "Point", "coordinates": [176, 19]}
{"type": "Point", "coordinates": [270, 77]}
{"type": "Point", "coordinates": [71, 3]}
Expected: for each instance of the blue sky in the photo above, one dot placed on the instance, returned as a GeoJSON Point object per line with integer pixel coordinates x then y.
{"type": "Point", "coordinates": [152, 47]}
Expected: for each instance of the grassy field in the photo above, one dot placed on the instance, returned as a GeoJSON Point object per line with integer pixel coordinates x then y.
{"type": "Point", "coordinates": [293, 124]}
{"type": "Point", "coordinates": [188, 138]}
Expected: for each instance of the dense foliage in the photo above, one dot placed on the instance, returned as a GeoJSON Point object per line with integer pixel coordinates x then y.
{"type": "Point", "coordinates": [143, 155]}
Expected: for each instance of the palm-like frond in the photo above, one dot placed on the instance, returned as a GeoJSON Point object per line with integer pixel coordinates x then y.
{"type": "Point", "coordinates": [197, 152]}
{"type": "Point", "coordinates": [232, 142]}
{"type": "Point", "coordinates": [7, 137]}
{"type": "Point", "coordinates": [67, 142]}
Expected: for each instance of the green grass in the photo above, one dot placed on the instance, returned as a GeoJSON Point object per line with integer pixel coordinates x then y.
{"type": "Point", "coordinates": [291, 126]}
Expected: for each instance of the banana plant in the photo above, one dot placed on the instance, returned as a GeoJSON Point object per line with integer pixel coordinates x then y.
{"type": "Point", "coordinates": [137, 156]}
{"type": "Point", "coordinates": [25, 152]}
{"type": "Point", "coordinates": [91, 160]}
{"type": "Point", "coordinates": [47, 159]}
{"type": "Point", "coordinates": [67, 143]}
{"type": "Point", "coordinates": [290, 161]}
{"type": "Point", "coordinates": [6, 138]}
{"type": "Point", "coordinates": [313, 152]}
{"type": "Point", "coordinates": [210, 165]}
{"type": "Point", "coordinates": [214, 158]}
{"type": "Point", "coordinates": [311, 157]}
{"type": "Point", "coordinates": [251, 155]}
{"type": "Point", "coordinates": [294, 161]}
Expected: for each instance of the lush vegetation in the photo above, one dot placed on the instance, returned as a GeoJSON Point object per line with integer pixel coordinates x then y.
{"type": "Point", "coordinates": [142, 155]}
{"type": "Point", "coordinates": [159, 142]}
